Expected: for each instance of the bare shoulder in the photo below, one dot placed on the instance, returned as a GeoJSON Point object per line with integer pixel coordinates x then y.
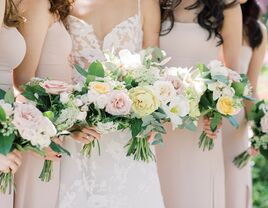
{"type": "Point", "coordinates": [149, 4]}
{"type": "Point", "coordinates": [264, 33]}
{"type": "Point", "coordinates": [36, 6]}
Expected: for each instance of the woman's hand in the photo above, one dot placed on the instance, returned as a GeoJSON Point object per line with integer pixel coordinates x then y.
{"type": "Point", "coordinates": [10, 162]}
{"type": "Point", "coordinates": [208, 131]}
{"type": "Point", "coordinates": [86, 135]}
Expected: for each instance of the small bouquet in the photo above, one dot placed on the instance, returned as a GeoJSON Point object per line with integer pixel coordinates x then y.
{"type": "Point", "coordinates": [22, 127]}
{"type": "Point", "coordinates": [258, 117]}
{"type": "Point", "coordinates": [223, 97]}
{"type": "Point", "coordinates": [106, 102]}
{"type": "Point", "coordinates": [56, 101]}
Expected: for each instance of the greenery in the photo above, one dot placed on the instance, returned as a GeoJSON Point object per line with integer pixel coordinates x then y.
{"type": "Point", "coordinates": [260, 168]}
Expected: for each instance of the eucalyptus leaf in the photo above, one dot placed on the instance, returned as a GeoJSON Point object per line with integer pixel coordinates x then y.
{"type": "Point", "coordinates": [9, 97]}
{"type": "Point", "coordinates": [6, 143]}
{"type": "Point", "coordinates": [215, 121]}
{"type": "Point", "coordinates": [222, 79]}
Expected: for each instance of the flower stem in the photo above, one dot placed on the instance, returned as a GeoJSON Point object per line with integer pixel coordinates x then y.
{"type": "Point", "coordinates": [46, 173]}
{"type": "Point", "coordinates": [205, 142]}
{"type": "Point", "coordinates": [6, 182]}
{"type": "Point", "coordinates": [242, 160]}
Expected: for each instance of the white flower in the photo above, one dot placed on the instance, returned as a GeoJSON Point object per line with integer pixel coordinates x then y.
{"type": "Point", "coordinates": [164, 90]}
{"type": "Point", "coordinates": [78, 87]}
{"type": "Point", "coordinates": [7, 108]}
{"type": "Point", "coordinates": [177, 109]}
{"type": "Point", "coordinates": [89, 98]}
{"type": "Point", "coordinates": [101, 101]}
{"type": "Point", "coordinates": [264, 123]}
{"type": "Point", "coordinates": [81, 116]}
{"type": "Point", "coordinates": [64, 98]}
{"type": "Point", "coordinates": [129, 60]}
{"type": "Point", "coordinates": [56, 87]}
{"type": "Point", "coordinates": [220, 89]}
{"type": "Point", "coordinates": [218, 69]}
{"type": "Point", "coordinates": [106, 128]}
{"type": "Point", "coordinates": [78, 102]}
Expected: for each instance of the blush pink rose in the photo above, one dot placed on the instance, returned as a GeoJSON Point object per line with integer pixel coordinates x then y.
{"type": "Point", "coordinates": [264, 123]}
{"type": "Point", "coordinates": [56, 87]}
{"type": "Point", "coordinates": [119, 104]}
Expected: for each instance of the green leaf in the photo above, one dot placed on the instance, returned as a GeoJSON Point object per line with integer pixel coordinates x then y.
{"type": "Point", "coordinates": [59, 149]}
{"type": "Point", "coordinates": [3, 116]}
{"type": "Point", "coordinates": [6, 143]}
{"type": "Point", "coordinates": [136, 127]}
{"type": "Point", "coordinates": [96, 69]}
{"type": "Point", "coordinates": [9, 97]}
{"type": "Point", "coordinates": [2, 94]}
{"type": "Point", "coordinates": [159, 115]}
{"type": "Point", "coordinates": [249, 98]}
{"type": "Point", "coordinates": [215, 121]}
{"type": "Point", "coordinates": [158, 139]}
{"type": "Point", "coordinates": [233, 121]}
{"type": "Point", "coordinates": [239, 88]}
{"type": "Point", "coordinates": [49, 114]}
{"type": "Point", "coordinates": [90, 78]}
{"type": "Point", "coordinates": [80, 70]}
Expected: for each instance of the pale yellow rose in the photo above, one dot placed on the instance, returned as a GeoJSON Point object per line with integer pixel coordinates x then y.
{"type": "Point", "coordinates": [226, 106]}
{"type": "Point", "coordinates": [100, 87]}
{"type": "Point", "coordinates": [144, 101]}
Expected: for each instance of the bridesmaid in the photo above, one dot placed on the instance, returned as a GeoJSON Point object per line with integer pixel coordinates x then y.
{"type": "Point", "coordinates": [238, 181]}
{"type": "Point", "coordinates": [48, 49]}
{"type": "Point", "coordinates": [12, 51]}
{"type": "Point", "coordinates": [193, 30]}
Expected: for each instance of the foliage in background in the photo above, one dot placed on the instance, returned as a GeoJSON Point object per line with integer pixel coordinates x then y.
{"type": "Point", "coordinates": [260, 168]}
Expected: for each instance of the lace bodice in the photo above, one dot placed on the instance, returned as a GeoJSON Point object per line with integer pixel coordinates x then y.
{"type": "Point", "coordinates": [88, 48]}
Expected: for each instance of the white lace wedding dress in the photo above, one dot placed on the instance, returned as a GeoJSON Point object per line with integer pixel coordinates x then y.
{"type": "Point", "coordinates": [109, 180]}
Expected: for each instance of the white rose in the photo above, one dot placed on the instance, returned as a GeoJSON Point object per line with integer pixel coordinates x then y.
{"type": "Point", "coordinates": [164, 90]}
{"type": "Point", "coordinates": [78, 102]}
{"type": "Point", "coordinates": [82, 116]}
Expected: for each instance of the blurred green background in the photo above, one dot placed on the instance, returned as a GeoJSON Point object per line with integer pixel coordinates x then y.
{"type": "Point", "coordinates": [260, 166]}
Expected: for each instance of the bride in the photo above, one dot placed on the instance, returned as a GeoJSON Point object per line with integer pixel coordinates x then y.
{"type": "Point", "coordinates": [109, 180]}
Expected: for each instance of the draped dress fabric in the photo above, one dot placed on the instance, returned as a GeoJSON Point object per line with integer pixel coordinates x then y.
{"type": "Point", "coordinates": [189, 177]}
{"type": "Point", "coordinates": [12, 51]}
{"type": "Point", "coordinates": [110, 179]}
{"type": "Point", "coordinates": [31, 192]}
{"type": "Point", "coordinates": [237, 181]}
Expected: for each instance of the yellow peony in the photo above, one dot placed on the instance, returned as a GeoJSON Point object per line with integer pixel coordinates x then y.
{"type": "Point", "coordinates": [144, 101]}
{"type": "Point", "coordinates": [226, 106]}
{"type": "Point", "coordinates": [100, 87]}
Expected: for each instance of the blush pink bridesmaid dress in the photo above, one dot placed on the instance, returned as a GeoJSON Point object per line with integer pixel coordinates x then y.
{"type": "Point", "coordinates": [237, 181]}
{"type": "Point", "coordinates": [189, 177]}
{"type": "Point", "coordinates": [12, 51]}
{"type": "Point", "coordinates": [31, 192]}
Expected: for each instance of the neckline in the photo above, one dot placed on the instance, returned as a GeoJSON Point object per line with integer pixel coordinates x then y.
{"type": "Point", "coordinates": [99, 40]}
{"type": "Point", "coordinates": [187, 23]}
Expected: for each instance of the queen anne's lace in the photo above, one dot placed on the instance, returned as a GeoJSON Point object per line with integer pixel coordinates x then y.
{"type": "Point", "coordinates": [110, 180]}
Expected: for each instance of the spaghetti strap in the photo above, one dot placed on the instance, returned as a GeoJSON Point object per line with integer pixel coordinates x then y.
{"type": "Point", "coordinates": [139, 8]}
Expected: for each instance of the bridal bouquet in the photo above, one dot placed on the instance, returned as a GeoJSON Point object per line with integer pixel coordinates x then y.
{"type": "Point", "coordinates": [223, 97]}
{"type": "Point", "coordinates": [56, 101]}
{"type": "Point", "coordinates": [22, 127]}
{"type": "Point", "coordinates": [259, 141]}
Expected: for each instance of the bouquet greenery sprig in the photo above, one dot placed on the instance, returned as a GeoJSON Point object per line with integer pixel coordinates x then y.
{"type": "Point", "coordinates": [258, 117]}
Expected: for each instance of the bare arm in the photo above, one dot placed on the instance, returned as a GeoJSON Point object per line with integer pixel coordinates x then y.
{"type": "Point", "coordinates": [34, 32]}
{"type": "Point", "coordinates": [2, 11]}
{"type": "Point", "coordinates": [232, 37]}
{"type": "Point", "coordinates": [151, 22]}
{"type": "Point", "coordinates": [256, 61]}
